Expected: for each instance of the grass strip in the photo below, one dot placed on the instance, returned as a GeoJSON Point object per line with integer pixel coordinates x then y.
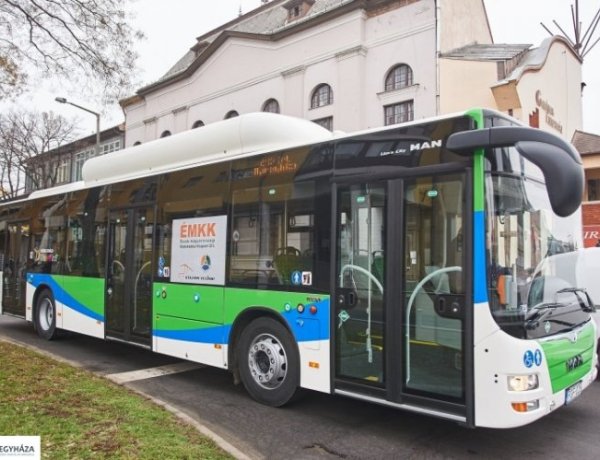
{"type": "Point", "coordinates": [79, 415]}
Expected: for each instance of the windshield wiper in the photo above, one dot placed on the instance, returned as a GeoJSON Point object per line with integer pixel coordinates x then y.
{"type": "Point", "coordinates": [542, 311]}
{"type": "Point", "coordinates": [589, 307]}
{"type": "Point", "coordinates": [539, 313]}
{"type": "Point", "coordinates": [546, 307]}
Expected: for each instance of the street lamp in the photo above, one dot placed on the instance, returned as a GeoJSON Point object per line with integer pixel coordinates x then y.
{"type": "Point", "coordinates": [63, 100]}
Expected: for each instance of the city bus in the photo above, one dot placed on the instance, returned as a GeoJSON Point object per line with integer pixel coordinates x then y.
{"type": "Point", "coordinates": [424, 266]}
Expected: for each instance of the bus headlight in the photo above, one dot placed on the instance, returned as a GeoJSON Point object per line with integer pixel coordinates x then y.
{"type": "Point", "coordinates": [523, 382]}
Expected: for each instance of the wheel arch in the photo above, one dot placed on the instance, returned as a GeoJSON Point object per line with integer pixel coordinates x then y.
{"type": "Point", "coordinates": [243, 320]}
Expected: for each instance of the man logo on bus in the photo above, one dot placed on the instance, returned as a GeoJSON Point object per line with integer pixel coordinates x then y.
{"type": "Point", "coordinates": [205, 262]}
{"type": "Point", "coordinates": [434, 144]}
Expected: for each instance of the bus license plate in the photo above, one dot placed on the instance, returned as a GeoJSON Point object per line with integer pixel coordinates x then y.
{"type": "Point", "coordinates": [572, 392]}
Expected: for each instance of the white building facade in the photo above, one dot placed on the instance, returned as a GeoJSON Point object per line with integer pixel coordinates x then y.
{"type": "Point", "coordinates": [350, 65]}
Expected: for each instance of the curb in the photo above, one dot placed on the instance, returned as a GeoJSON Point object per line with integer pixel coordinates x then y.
{"type": "Point", "coordinates": [202, 428]}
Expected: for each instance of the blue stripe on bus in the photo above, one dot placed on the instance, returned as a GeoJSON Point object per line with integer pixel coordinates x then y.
{"type": "Point", "coordinates": [308, 327]}
{"type": "Point", "coordinates": [214, 334]}
{"type": "Point", "coordinates": [219, 334]}
{"type": "Point", "coordinates": [479, 259]}
{"type": "Point", "coordinates": [305, 326]}
{"type": "Point", "coordinates": [62, 296]}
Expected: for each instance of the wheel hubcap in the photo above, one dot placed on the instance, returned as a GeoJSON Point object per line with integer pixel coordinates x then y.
{"type": "Point", "coordinates": [267, 361]}
{"type": "Point", "coordinates": [46, 314]}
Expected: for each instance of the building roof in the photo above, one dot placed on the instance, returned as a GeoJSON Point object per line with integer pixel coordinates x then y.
{"type": "Point", "coordinates": [536, 57]}
{"type": "Point", "coordinates": [517, 58]}
{"type": "Point", "coordinates": [268, 19]}
{"type": "Point", "coordinates": [269, 22]}
{"type": "Point", "coordinates": [487, 52]}
{"type": "Point", "coordinates": [586, 143]}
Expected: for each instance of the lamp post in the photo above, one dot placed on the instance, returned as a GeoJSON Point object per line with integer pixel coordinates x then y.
{"type": "Point", "coordinates": [63, 100]}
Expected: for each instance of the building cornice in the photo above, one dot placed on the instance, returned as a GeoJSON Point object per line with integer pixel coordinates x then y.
{"type": "Point", "coordinates": [351, 52]}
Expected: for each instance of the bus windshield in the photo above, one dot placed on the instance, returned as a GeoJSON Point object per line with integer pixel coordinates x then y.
{"type": "Point", "coordinates": [532, 252]}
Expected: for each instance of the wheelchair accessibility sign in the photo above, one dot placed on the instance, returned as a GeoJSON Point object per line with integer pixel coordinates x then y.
{"type": "Point", "coordinates": [299, 278]}
{"type": "Point", "coordinates": [532, 357]}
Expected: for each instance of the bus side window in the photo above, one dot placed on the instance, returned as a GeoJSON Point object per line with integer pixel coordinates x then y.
{"type": "Point", "coordinates": [195, 192]}
{"type": "Point", "coordinates": [86, 231]}
{"type": "Point", "coordinates": [273, 222]}
{"type": "Point", "coordinates": [48, 233]}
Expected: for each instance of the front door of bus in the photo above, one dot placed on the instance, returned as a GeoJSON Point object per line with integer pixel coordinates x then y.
{"type": "Point", "coordinates": [400, 297]}
{"type": "Point", "coordinates": [128, 277]}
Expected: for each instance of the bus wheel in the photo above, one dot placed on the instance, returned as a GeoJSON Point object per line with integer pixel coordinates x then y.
{"type": "Point", "coordinates": [269, 362]}
{"type": "Point", "coordinates": [45, 315]}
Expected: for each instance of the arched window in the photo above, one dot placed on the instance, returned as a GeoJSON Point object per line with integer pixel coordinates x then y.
{"type": "Point", "coordinates": [166, 133]}
{"type": "Point", "coordinates": [197, 124]}
{"type": "Point", "coordinates": [322, 95]}
{"type": "Point", "coordinates": [399, 76]}
{"type": "Point", "coordinates": [271, 106]}
{"type": "Point", "coordinates": [136, 143]}
{"type": "Point", "coordinates": [231, 114]}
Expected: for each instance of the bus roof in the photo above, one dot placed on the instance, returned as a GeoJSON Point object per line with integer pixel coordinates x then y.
{"type": "Point", "coordinates": [65, 188]}
{"type": "Point", "coordinates": [247, 134]}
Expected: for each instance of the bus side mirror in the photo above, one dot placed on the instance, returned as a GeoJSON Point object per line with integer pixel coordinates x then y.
{"type": "Point", "coordinates": [559, 161]}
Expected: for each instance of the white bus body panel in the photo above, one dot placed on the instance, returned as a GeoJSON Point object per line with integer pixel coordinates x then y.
{"type": "Point", "coordinates": [203, 353]}
{"type": "Point", "coordinates": [315, 365]}
{"type": "Point", "coordinates": [29, 293]}
{"type": "Point", "coordinates": [71, 320]}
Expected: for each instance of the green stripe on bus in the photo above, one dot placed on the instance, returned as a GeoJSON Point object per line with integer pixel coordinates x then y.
{"type": "Point", "coordinates": [558, 352]}
{"type": "Point", "coordinates": [478, 164]}
{"type": "Point", "coordinates": [86, 290]}
{"type": "Point", "coordinates": [477, 116]}
{"type": "Point", "coordinates": [219, 305]}
{"type": "Point", "coordinates": [189, 301]}
{"type": "Point", "coordinates": [279, 301]}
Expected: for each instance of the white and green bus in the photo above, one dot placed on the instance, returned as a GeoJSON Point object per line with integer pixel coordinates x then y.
{"type": "Point", "coordinates": [412, 266]}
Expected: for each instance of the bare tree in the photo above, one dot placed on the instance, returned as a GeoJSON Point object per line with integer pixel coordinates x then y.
{"type": "Point", "coordinates": [25, 140]}
{"type": "Point", "coordinates": [87, 41]}
{"type": "Point", "coordinates": [582, 41]}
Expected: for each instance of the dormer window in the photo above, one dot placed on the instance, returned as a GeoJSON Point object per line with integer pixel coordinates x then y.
{"type": "Point", "coordinates": [198, 48]}
{"type": "Point", "coordinates": [297, 8]}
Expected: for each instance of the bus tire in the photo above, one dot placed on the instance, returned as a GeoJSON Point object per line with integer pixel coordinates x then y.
{"type": "Point", "coordinates": [45, 315]}
{"type": "Point", "coordinates": [268, 362]}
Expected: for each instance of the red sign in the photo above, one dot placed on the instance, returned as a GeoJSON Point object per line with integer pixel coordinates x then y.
{"type": "Point", "coordinates": [591, 236]}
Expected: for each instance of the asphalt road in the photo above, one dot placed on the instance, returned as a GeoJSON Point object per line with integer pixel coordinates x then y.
{"type": "Point", "coordinates": [324, 426]}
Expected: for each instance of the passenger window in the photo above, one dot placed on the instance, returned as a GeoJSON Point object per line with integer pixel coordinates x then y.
{"type": "Point", "coordinates": [272, 236]}
{"type": "Point", "coordinates": [86, 232]}
{"type": "Point", "coordinates": [196, 192]}
{"type": "Point", "coordinates": [273, 223]}
{"type": "Point", "coordinates": [48, 231]}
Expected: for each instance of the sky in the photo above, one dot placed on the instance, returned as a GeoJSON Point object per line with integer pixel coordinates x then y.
{"type": "Point", "coordinates": [171, 28]}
